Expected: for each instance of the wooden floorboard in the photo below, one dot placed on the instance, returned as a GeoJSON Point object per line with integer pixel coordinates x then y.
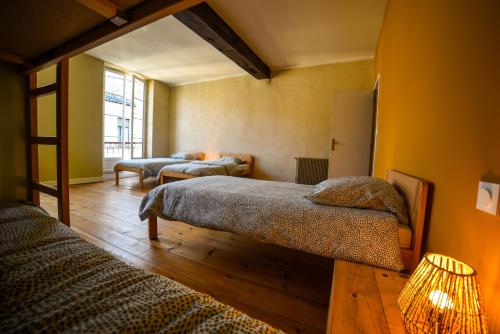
{"type": "Point", "coordinates": [286, 288]}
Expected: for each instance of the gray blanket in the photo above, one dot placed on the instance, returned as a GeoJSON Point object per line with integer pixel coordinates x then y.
{"type": "Point", "coordinates": [150, 167]}
{"type": "Point", "coordinates": [277, 213]}
{"type": "Point", "coordinates": [52, 281]}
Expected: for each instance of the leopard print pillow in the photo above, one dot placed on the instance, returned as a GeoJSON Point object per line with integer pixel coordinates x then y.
{"type": "Point", "coordinates": [363, 192]}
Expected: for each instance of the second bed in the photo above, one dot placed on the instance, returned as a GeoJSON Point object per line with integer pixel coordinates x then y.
{"type": "Point", "coordinates": [228, 164]}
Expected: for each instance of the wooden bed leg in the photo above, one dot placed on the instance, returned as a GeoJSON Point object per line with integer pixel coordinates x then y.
{"type": "Point", "coordinates": [153, 227]}
{"type": "Point", "coordinates": [117, 177]}
{"type": "Point", "coordinates": [141, 181]}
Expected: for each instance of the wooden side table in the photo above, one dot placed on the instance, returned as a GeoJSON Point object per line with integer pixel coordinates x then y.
{"type": "Point", "coordinates": [364, 299]}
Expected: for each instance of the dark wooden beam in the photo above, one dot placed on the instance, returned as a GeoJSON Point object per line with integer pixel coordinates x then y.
{"type": "Point", "coordinates": [44, 140]}
{"type": "Point", "coordinates": [62, 157]}
{"type": "Point", "coordinates": [104, 8]}
{"type": "Point", "coordinates": [52, 191]}
{"type": "Point", "coordinates": [32, 131]}
{"type": "Point", "coordinates": [108, 9]}
{"type": "Point", "coordinates": [12, 58]}
{"type": "Point", "coordinates": [204, 21]}
{"type": "Point", "coordinates": [44, 90]}
{"type": "Point", "coordinates": [139, 15]}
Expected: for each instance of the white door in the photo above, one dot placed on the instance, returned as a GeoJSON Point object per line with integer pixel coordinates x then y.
{"type": "Point", "coordinates": [351, 133]}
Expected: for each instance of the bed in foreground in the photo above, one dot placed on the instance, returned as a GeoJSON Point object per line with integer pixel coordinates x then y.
{"type": "Point", "coordinates": [277, 213]}
{"type": "Point", "coordinates": [51, 280]}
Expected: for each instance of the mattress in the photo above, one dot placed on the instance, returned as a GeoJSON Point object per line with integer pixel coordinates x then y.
{"type": "Point", "coordinates": [53, 281]}
{"type": "Point", "coordinates": [404, 234]}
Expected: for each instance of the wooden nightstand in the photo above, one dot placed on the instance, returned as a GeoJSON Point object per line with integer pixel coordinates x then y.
{"type": "Point", "coordinates": [364, 299]}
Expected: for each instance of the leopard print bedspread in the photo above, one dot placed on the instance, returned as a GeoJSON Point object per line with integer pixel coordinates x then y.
{"type": "Point", "coordinates": [52, 281]}
{"type": "Point", "coordinates": [277, 213]}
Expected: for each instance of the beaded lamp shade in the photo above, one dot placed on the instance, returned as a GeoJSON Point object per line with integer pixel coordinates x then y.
{"type": "Point", "coordinates": [442, 296]}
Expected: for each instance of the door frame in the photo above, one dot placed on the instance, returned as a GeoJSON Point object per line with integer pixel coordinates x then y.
{"type": "Point", "coordinates": [376, 98]}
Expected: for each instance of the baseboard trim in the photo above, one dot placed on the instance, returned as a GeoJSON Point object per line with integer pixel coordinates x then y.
{"type": "Point", "coordinates": [76, 181]}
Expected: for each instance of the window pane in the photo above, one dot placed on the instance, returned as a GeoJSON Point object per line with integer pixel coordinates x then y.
{"type": "Point", "coordinates": [138, 125]}
{"type": "Point", "coordinates": [139, 89]}
{"type": "Point", "coordinates": [113, 83]}
{"type": "Point", "coordinates": [113, 114]}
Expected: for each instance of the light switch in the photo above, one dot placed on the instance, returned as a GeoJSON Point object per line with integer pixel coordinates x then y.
{"type": "Point", "coordinates": [487, 197]}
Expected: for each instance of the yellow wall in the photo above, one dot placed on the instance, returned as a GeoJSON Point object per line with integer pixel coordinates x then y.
{"type": "Point", "coordinates": [12, 134]}
{"type": "Point", "coordinates": [439, 118]}
{"type": "Point", "coordinates": [157, 119]}
{"type": "Point", "coordinates": [85, 128]}
{"type": "Point", "coordinates": [275, 120]}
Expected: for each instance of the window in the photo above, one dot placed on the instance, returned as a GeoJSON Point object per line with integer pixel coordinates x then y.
{"type": "Point", "coordinates": [123, 116]}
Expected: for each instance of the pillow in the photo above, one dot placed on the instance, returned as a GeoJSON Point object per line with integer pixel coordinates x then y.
{"type": "Point", "coordinates": [232, 160]}
{"type": "Point", "coordinates": [221, 162]}
{"type": "Point", "coordinates": [363, 192]}
{"type": "Point", "coordinates": [187, 155]}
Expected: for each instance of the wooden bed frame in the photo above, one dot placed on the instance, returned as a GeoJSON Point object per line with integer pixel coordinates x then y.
{"type": "Point", "coordinates": [137, 170]}
{"type": "Point", "coordinates": [416, 192]}
{"type": "Point", "coordinates": [246, 158]}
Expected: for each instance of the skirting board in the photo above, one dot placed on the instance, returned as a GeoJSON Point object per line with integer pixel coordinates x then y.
{"type": "Point", "coordinates": [76, 181]}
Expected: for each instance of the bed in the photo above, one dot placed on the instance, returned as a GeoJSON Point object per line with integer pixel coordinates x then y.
{"type": "Point", "coordinates": [148, 167]}
{"type": "Point", "coordinates": [207, 168]}
{"type": "Point", "coordinates": [277, 213]}
{"type": "Point", "coordinates": [51, 280]}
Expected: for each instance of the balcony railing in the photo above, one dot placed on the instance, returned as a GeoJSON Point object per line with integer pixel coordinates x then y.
{"type": "Point", "coordinates": [113, 149]}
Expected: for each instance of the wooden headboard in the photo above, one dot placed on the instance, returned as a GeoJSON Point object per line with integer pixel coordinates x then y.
{"type": "Point", "coordinates": [246, 158]}
{"type": "Point", "coordinates": [415, 191]}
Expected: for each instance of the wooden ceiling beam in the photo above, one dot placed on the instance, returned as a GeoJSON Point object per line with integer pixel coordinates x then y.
{"type": "Point", "coordinates": [12, 58]}
{"type": "Point", "coordinates": [138, 16]}
{"type": "Point", "coordinates": [107, 9]}
{"type": "Point", "coordinates": [205, 22]}
{"type": "Point", "coordinates": [104, 8]}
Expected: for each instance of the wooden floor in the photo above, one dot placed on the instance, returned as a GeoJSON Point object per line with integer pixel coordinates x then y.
{"type": "Point", "coordinates": [285, 288]}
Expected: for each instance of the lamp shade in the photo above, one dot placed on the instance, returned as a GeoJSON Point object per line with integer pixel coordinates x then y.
{"type": "Point", "coordinates": [442, 296]}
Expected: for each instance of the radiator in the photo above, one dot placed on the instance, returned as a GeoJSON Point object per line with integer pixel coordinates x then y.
{"type": "Point", "coordinates": [311, 170]}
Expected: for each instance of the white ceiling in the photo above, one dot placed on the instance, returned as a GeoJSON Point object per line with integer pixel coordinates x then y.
{"type": "Point", "coordinates": [284, 33]}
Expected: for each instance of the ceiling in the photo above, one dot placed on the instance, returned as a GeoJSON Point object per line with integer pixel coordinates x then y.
{"type": "Point", "coordinates": [167, 51]}
{"type": "Point", "coordinates": [284, 33]}
{"type": "Point", "coordinates": [295, 33]}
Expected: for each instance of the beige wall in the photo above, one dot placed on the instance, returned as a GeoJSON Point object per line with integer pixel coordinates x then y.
{"type": "Point", "coordinates": [157, 119]}
{"type": "Point", "coordinates": [439, 115]}
{"type": "Point", "coordinates": [86, 79]}
{"type": "Point", "coordinates": [12, 135]}
{"type": "Point", "coordinates": [274, 120]}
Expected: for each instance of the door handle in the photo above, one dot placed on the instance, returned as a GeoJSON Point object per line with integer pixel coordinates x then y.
{"type": "Point", "coordinates": [333, 144]}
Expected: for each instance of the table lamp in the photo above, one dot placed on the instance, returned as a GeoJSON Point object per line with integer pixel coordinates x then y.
{"type": "Point", "coordinates": [442, 296]}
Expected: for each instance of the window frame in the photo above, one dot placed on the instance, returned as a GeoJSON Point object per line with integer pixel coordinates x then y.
{"type": "Point", "coordinates": [133, 77]}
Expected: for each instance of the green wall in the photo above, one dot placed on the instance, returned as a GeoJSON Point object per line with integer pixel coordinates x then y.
{"type": "Point", "coordinates": [12, 135]}
{"type": "Point", "coordinates": [86, 80]}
